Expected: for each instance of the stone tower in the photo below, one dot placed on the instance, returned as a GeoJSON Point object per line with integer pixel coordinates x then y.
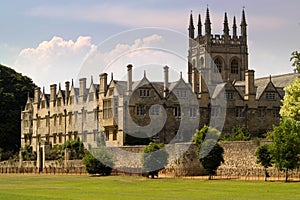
{"type": "Point", "coordinates": [228, 52]}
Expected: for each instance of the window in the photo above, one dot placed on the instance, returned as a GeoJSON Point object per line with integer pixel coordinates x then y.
{"type": "Point", "coordinates": [201, 61]}
{"type": "Point", "coordinates": [215, 111]}
{"type": "Point", "coordinates": [60, 119]}
{"type": "Point", "coordinates": [71, 100]}
{"type": "Point", "coordinates": [154, 110]}
{"type": "Point", "coordinates": [43, 104]}
{"type": "Point", "coordinates": [234, 67]}
{"type": "Point", "coordinates": [91, 96]}
{"type": "Point", "coordinates": [70, 118]}
{"type": "Point", "coordinates": [193, 112]}
{"type": "Point", "coordinates": [54, 120]}
{"type": "Point", "coordinates": [218, 64]}
{"type": "Point", "coordinates": [228, 95]}
{"type": "Point", "coordinates": [177, 111]}
{"type": "Point", "coordinates": [181, 93]}
{"type": "Point", "coordinates": [76, 117]}
{"type": "Point", "coordinates": [107, 135]}
{"type": "Point", "coordinates": [276, 112]}
{"type": "Point", "coordinates": [140, 110]}
{"type": "Point", "coordinates": [107, 110]}
{"type": "Point", "coordinates": [110, 92]}
{"type": "Point", "coordinates": [261, 112]}
{"type": "Point", "coordinates": [144, 93]}
{"type": "Point", "coordinates": [60, 138]}
{"type": "Point", "coordinates": [270, 96]}
{"type": "Point", "coordinates": [47, 138]}
{"type": "Point", "coordinates": [84, 137]}
{"type": "Point", "coordinates": [58, 101]}
{"type": "Point", "coordinates": [54, 138]}
{"type": "Point", "coordinates": [239, 112]}
{"type": "Point", "coordinates": [115, 135]}
{"type": "Point", "coordinates": [116, 105]}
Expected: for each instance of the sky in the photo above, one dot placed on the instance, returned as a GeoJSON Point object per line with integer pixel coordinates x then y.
{"type": "Point", "coordinates": [55, 41]}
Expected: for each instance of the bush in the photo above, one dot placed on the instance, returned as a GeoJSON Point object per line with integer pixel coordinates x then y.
{"type": "Point", "coordinates": [154, 159]}
{"type": "Point", "coordinates": [98, 161]}
{"type": "Point", "coordinates": [27, 153]}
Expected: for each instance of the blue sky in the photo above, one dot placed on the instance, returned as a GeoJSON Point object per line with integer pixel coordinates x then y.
{"type": "Point", "coordinates": [42, 38]}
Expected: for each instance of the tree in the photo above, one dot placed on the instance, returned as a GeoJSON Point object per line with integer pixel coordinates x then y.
{"type": "Point", "coordinates": [264, 158]}
{"type": "Point", "coordinates": [209, 151]}
{"type": "Point", "coordinates": [76, 149]}
{"type": "Point", "coordinates": [285, 148]}
{"type": "Point", "coordinates": [291, 101]}
{"type": "Point", "coordinates": [14, 89]}
{"type": "Point", "coordinates": [27, 153]}
{"type": "Point", "coordinates": [295, 57]}
{"type": "Point", "coordinates": [98, 161]}
{"type": "Point", "coordinates": [154, 159]}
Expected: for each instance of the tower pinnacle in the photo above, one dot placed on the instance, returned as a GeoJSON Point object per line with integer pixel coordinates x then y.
{"type": "Point", "coordinates": [207, 23]}
{"type": "Point", "coordinates": [234, 28]}
{"type": "Point", "coordinates": [199, 25]}
{"type": "Point", "coordinates": [191, 27]}
{"type": "Point", "coordinates": [226, 28]}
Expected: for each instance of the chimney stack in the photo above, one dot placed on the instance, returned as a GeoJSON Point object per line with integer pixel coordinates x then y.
{"type": "Point", "coordinates": [82, 88]}
{"type": "Point", "coordinates": [37, 94]}
{"type": "Point", "coordinates": [103, 83]}
{"type": "Point", "coordinates": [166, 81]}
{"type": "Point", "coordinates": [52, 94]}
{"type": "Point", "coordinates": [67, 92]}
{"type": "Point", "coordinates": [249, 85]}
{"type": "Point", "coordinates": [129, 78]}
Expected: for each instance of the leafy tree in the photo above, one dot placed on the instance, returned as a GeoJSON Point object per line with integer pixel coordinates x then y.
{"type": "Point", "coordinates": [76, 149]}
{"type": "Point", "coordinates": [295, 57]}
{"type": "Point", "coordinates": [154, 159]}
{"type": "Point", "coordinates": [209, 151]}
{"type": "Point", "coordinates": [14, 89]}
{"type": "Point", "coordinates": [27, 153]}
{"type": "Point", "coordinates": [264, 158]}
{"type": "Point", "coordinates": [285, 148]}
{"type": "Point", "coordinates": [291, 101]}
{"type": "Point", "coordinates": [98, 161]}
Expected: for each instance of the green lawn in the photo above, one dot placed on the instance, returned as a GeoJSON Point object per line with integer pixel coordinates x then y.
{"type": "Point", "coordinates": [124, 187]}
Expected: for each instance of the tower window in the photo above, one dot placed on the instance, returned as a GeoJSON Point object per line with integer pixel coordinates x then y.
{"type": "Point", "coordinates": [140, 110]}
{"type": "Point", "coordinates": [234, 67]}
{"type": "Point", "coordinates": [218, 64]}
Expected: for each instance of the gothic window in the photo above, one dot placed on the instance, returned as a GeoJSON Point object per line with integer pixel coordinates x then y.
{"type": "Point", "coordinates": [154, 110]}
{"type": "Point", "coordinates": [201, 61]}
{"type": "Point", "coordinates": [239, 112]}
{"type": "Point", "coordinates": [70, 118]}
{"type": "Point", "coordinates": [218, 64]}
{"type": "Point", "coordinates": [228, 95]}
{"type": "Point", "coordinates": [60, 138]}
{"type": "Point", "coordinates": [177, 111]}
{"type": "Point", "coordinates": [234, 67]}
{"type": "Point", "coordinates": [107, 110]}
{"type": "Point", "coordinates": [115, 135]}
{"type": "Point", "coordinates": [261, 112]}
{"type": "Point", "coordinates": [54, 138]}
{"type": "Point", "coordinates": [107, 135]}
{"type": "Point", "coordinates": [140, 110]}
{"type": "Point", "coordinates": [193, 112]}
{"type": "Point", "coordinates": [144, 93]}
{"type": "Point", "coordinates": [54, 120]}
{"type": "Point", "coordinates": [270, 96]}
{"type": "Point", "coordinates": [60, 119]}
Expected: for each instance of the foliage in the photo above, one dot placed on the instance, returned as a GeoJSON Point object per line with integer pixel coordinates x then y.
{"type": "Point", "coordinates": [98, 161]}
{"type": "Point", "coordinates": [209, 151]}
{"type": "Point", "coordinates": [285, 148]}
{"type": "Point", "coordinates": [264, 158]}
{"type": "Point", "coordinates": [27, 153]}
{"type": "Point", "coordinates": [239, 134]}
{"type": "Point", "coordinates": [291, 101]}
{"type": "Point", "coordinates": [76, 149]}
{"type": "Point", "coordinates": [14, 89]}
{"type": "Point", "coordinates": [132, 140]}
{"type": "Point", "coordinates": [295, 57]}
{"type": "Point", "coordinates": [154, 158]}
{"type": "Point", "coordinates": [56, 153]}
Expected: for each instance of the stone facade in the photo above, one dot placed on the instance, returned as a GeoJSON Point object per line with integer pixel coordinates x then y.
{"type": "Point", "coordinates": [168, 112]}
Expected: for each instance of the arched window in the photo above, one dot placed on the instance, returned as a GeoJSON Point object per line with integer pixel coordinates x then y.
{"type": "Point", "coordinates": [218, 64]}
{"type": "Point", "coordinates": [234, 66]}
{"type": "Point", "coordinates": [201, 61]}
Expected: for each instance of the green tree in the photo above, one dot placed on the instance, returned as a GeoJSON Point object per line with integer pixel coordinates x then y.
{"type": "Point", "coordinates": [295, 57]}
{"type": "Point", "coordinates": [285, 148]}
{"type": "Point", "coordinates": [14, 89]}
{"type": "Point", "coordinates": [154, 159]}
{"type": "Point", "coordinates": [291, 101]}
{"type": "Point", "coordinates": [27, 153]}
{"type": "Point", "coordinates": [76, 149]}
{"type": "Point", "coordinates": [209, 151]}
{"type": "Point", "coordinates": [98, 161]}
{"type": "Point", "coordinates": [263, 156]}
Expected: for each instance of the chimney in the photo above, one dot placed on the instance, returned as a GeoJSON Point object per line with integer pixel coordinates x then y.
{"type": "Point", "coordinates": [103, 83]}
{"type": "Point", "coordinates": [52, 94]}
{"type": "Point", "coordinates": [129, 80]}
{"type": "Point", "coordinates": [67, 92]}
{"type": "Point", "coordinates": [37, 94]}
{"type": "Point", "coordinates": [249, 85]}
{"type": "Point", "coordinates": [166, 81]}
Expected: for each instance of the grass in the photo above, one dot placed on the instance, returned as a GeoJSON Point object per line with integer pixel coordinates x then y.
{"type": "Point", "coordinates": [125, 187]}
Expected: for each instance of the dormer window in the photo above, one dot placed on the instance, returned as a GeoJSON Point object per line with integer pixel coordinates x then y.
{"type": "Point", "coordinates": [228, 95]}
{"type": "Point", "coordinates": [181, 93]}
{"type": "Point", "coordinates": [270, 96]}
{"type": "Point", "coordinates": [144, 93]}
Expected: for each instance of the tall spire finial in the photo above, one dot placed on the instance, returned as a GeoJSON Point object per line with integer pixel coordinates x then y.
{"type": "Point", "coordinates": [59, 87]}
{"type": "Point", "coordinates": [92, 79]}
{"type": "Point", "coordinates": [191, 27]}
{"type": "Point", "coordinates": [207, 23]}
{"type": "Point", "coordinates": [72, 83]}
{"type": "Point", "coordinates": [43, 89]}
{"type": "Point", "coordinates": [144, 73]}
{"type": "Point", "coordinates": [226, 28]}
{"type": "Point", "coordinates": [199, 25]}
{"type": "Point", "coordinates": [112, 76]}
{"type": "Point", "coordinates": [234, 28]}
{"type": "Point", "coordinates": [244, 26]}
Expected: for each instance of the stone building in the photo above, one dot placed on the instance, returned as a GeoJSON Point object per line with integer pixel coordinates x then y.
{"type": "Point", "coordinates": [221, 91]}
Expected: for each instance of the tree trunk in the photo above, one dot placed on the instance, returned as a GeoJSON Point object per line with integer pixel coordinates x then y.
{"type": "Point", "coordinates": [286, 174]}
{"type": "Point", "coordinates": [209, 177]}
{"type": "Point", "coordinates": [265, 174]}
